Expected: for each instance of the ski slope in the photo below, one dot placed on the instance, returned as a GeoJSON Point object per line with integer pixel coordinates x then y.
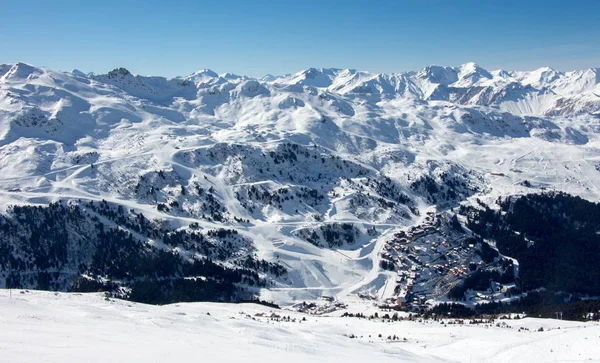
{"type": "Point", "coordinates": [59, 327]}
{"type": "Point", "coordinates": [70, 136]}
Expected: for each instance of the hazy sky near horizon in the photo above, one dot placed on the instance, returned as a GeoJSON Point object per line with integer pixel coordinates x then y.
{"type": "Point", "coordinates": [255, 37]}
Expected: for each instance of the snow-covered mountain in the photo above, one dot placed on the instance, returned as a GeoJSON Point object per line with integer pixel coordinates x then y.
{"type": "Point", "coordinates": [315, 172]}
{"type": "Point", "coordinates": [544, 91]}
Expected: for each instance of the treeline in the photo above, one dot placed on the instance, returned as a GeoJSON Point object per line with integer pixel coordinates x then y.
{"type": "Point", "coordinates": [542, 304]}
{"type": "Point", "coordinates": [554, 236]}
{"type": "Point", "coordinates": [99, 246]}
{"type": "Point", "coordinates": [332, 235]}
{"type": "Point", "coordinates": [450, 186]}
{"type": "Point", "coordinates": [254, 196]}
{"type": "Point", "coordinates": [481, 280]}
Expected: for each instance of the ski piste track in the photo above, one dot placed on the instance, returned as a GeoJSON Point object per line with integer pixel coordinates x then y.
{"type": "Point", "coordinates": [67, 136]}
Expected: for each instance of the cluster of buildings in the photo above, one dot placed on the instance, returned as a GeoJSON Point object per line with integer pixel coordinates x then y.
{"type": "Point", "coordinates": [428, 260]}
{"type": "Point", "coordinates": [328, 305]}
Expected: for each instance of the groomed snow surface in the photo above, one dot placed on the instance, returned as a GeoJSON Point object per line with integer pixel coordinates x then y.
{"type": "Point", "coordinates": [59, 327]}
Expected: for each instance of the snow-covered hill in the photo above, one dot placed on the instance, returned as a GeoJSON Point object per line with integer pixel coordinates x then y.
{"type": "Point", "coordinates": [319, 169]}
{"type": "Point", "coordinates": [58, 327]}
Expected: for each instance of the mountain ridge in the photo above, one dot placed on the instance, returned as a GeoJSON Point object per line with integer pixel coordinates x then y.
{"type": "Point", "coordinates": [320, 169]}
{"type": "Point", "coordinates": [341, 80]}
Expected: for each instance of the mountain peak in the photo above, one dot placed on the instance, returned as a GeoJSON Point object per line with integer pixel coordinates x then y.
{"type": "Point", "coordinates": [541, 77]}
{"type": "Point", "coordinates": [268, 78]}
{"type": "Point", "coordinates": [313, 77]}
{"type": "Point", "coordinates": [78, 72]}
{"type": "Point", "coordinates": [471, 73]}
{"type": "Point", "coordinates": [21, 70]}
{"type": "Point", "coordinates": [231, 76]}
{"type": "Point", "coordinates": [205, 72]}
{"type": "Point", "coordinates": [438, 74]}
{"type": "Point", "coordinates": [473, 68]}
{"type": "Point", "coordinates": [546, 69]}
{"type": "Point", "coordinates": [118, 73]}
{"type": "Point", "coordinates": [469, 66]}
{"type": "Point", "coordinates": [312, 73]}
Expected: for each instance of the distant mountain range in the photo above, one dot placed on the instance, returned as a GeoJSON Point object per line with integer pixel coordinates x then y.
{"type": "Point", "coordinates": [292, 187]}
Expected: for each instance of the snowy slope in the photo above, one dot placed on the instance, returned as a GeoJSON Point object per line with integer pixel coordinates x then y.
{"type": "Point", "coordinates": [291, 162]}
{"type": "Point", "coordinates": [56, 327]}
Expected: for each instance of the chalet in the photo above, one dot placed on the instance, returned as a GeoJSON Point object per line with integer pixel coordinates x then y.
{"type": "Point", "coordinates": [415, 259]}
{"type": "Point", "coordinates": [401, 300]}
{"type": "Point", "coordinates": [419, 249]}
{"type": "Point", "coordinates": [417, 233]}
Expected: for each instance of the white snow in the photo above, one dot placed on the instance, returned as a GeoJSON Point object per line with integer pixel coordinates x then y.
{"type": "Point", "coordinates": [540, 126]}
{"type": "Point", "coordinates": [59, 327]}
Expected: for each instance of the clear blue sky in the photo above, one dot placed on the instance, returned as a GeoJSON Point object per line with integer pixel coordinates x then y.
{"type": "Point", "coordinates": [256, 37]}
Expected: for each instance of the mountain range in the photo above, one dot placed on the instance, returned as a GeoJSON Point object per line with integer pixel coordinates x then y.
{"type": "Point", "coordinates": [326, 182]}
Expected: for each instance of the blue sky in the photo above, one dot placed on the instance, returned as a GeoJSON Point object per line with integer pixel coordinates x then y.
{"type": "Point", "coordinates": [256, 37]}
